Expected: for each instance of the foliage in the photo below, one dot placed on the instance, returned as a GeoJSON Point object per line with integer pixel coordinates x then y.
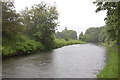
{"type": "Point", "coordinates": [67, 34]}
{"type": "Point", "coordinates": [12, 32]}
{"type": "Point", "coordinates": [7, 51]}
{"type": "Point", "coordinates": [28, 46]}
{"type": "Point", "coordinates": [91, 35]}
{"type": "Point", "coordinates": [103, 36]}
{"type": "Point", "coordinates": [20, 46]}
{"type": "Point", "coordinates": [62, 42]}
{"type": "Point", "coordinates": [40, 23]}
{"type": "Point", "coordinates": [11, 28]}
{"type": "Point", "coordinates": [112, 18]}
{"type": "Point", "coordinates": [10, 20]}
{"type": "Point", "coordinates": [83, 37]}
{"type": "Point", "coordinates": [32, 29]}
{"type": "Point", "coordinates": [113, 37]}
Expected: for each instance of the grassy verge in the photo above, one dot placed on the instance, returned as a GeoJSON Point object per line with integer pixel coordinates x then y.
{"type": "Point", "coordinates": [111, 68]}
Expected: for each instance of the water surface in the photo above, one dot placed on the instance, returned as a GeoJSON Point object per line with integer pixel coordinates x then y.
{"type": "Point", "coordinates": [74, 61]}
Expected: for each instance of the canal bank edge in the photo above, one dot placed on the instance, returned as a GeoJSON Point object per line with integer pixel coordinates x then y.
{"type": "Point", "coordinates": [111, 68]}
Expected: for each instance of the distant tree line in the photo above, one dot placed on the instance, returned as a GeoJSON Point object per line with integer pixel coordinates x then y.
{"type": "Point", "coordinates": [110, 32]}
{"type": "Point", "coordinates": [95, 35]}
{"type": "Point", "coordinates": [67, 34]}
{"type": "Point", "coordinates": [91, 35]}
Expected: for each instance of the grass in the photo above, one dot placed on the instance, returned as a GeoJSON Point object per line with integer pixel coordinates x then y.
{"type": "Point", "coordinates": [111, 68]}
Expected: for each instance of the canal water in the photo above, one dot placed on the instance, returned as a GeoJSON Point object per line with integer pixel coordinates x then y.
{"type": "Point", "coordinates": [73, 61]}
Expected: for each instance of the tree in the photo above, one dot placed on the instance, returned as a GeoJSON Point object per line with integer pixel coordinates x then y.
{"type": "Point", "coordinates": [112, 18]}
{"type": "Point", "coordinates": [11, 27]}
{"type": "Point", "coordinates": [93, 34]}
{"type": "Point", "coordinates": [67, 34]}
{"type": "Point", "coordinates": [81, 35]}
{"type": "Point", "coordinates": [10, 20]}
{"type": "Point", "coordinates": [103, 36]}
{"type": "Point", "coordinates": [40, 22]}
{"type": "Point", "coordinates": [84, 38]}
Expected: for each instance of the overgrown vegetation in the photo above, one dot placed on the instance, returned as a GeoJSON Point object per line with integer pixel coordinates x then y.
{"type": "Point", "coordinates": [22, 48]}
{"type": "Point", "coordinates": [62, 42]}
{"type": "Point", "coordinates": [32, 29]}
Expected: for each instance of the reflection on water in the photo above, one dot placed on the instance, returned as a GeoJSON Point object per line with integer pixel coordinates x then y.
{"type": "Point", "coordinates": [74, 61]}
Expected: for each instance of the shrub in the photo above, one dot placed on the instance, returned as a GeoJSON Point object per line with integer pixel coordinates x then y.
{"type": "Point", "coordinates": [28, 46]}
{"type": "Point", "coordinates": [22, 48]}
{"type": "Point", "coordinates": [7, 50]}
{"type": "Point", "coordinates": [62, 42]}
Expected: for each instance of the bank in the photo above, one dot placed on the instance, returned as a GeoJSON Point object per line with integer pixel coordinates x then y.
{"type": "Point", "coordinates": [111, 68]}
{"type": "Point", "coordinates": [30, 46]}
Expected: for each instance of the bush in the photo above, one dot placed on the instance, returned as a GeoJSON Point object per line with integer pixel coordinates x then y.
{"type": "Point", "coordinates": [7, 50]}
{"type": "Point", "coordinates": [62, 42]}
{"type": "Point", "coordinates": [22, 48]}
{"type": "Point", "coordinates": [28, 46]}
{"type": "Point", "coordinates": [23, 45]}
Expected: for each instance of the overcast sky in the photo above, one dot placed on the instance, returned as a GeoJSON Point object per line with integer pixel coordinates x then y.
{"type": "Point", "coordinates": [77, 15]}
